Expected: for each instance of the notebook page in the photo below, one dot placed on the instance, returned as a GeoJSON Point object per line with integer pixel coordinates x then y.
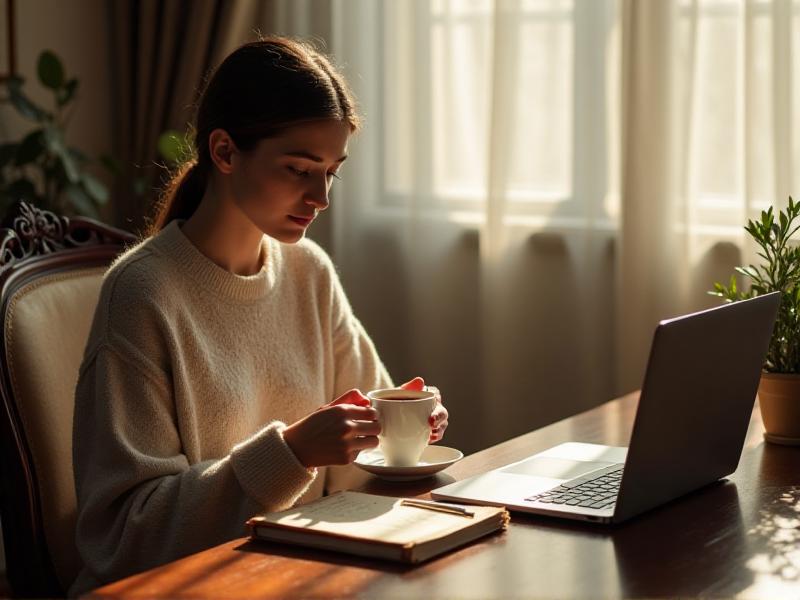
{"type": "Point", "coordinates": [353, 514]}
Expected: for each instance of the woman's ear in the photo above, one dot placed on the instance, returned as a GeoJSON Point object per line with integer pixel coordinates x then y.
{"type": "Point", "coordinates": [221, 149]}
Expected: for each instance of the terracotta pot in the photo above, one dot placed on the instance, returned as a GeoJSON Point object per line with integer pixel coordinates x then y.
{"type": "Point", "coordinates": [779, 399]}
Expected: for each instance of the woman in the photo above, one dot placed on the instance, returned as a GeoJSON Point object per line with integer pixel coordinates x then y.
{"type": "Point", "coordinates": [224, 325]}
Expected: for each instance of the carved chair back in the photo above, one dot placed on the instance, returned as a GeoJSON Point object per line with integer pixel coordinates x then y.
{"type": "Point", "coordinates": [51, 269]}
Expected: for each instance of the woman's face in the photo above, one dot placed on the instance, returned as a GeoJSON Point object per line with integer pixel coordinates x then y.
{"type": "Point", "coordinates": [284, 181]}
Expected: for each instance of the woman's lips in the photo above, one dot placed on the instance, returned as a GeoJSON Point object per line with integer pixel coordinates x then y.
{"type": "Point", "coordinates": [302, 221]}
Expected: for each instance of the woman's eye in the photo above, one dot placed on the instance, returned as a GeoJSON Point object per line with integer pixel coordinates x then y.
{"type": "Point", "coordinates": [301, 173]}
{"type": "Point", "coordinates": [298, 172]}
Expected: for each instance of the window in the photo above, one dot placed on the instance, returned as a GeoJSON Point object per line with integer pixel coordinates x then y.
{"type": "Point", "coordinates": [734, 68]}
{"type": "Point", "coordinates": [551, 76]}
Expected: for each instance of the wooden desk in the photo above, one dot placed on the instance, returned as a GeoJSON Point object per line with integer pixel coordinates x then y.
{"type": "Point", "coordinates": [740, 537]}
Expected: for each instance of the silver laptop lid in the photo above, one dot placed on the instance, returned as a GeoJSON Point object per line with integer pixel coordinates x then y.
{"type": "Point", "coordinates": [697, 397]}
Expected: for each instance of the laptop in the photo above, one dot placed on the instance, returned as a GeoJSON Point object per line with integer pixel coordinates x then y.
{"type": "Point", "coordinates": [694, 409]}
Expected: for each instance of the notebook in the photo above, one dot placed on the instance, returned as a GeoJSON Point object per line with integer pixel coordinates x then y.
{"type": "Point", "coordinates": [398, 529]}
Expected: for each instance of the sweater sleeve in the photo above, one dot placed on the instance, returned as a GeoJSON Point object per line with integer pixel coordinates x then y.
{"type": "Point", "coordinates": [357, 364]}
{"type": "Point", "coordinates": [140, 502]}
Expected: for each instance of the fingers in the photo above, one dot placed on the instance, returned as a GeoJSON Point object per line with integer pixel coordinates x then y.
{"type": "Point", "coordinates": [364, 428]}
{"type": "Point", "coordinates": [437, 433]}
{"type": "Point", "coordinates": [363, 443]}
{"type": "Point", "coordinates": [365, 437]}
{"type": "Point", "coordinates": [418, 383]}
{"type": "Point", "coordinates": [438, 416]}
{"type": "Point", "coordinates": [436, 392]}
{"type": "Point", "coordinates": [351, 397]}
{"type": "Point", "coordinates": [438, 423]}
{"type": "Point", "coordinates": [356, 413]}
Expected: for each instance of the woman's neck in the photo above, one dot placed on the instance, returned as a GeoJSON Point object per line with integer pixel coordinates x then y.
{"type": "Point", "coordinates": [225, 236]}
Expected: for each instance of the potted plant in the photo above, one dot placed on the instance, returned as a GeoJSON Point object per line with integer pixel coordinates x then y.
{"type": "Point", "coordinates": [779, 388]}
{"type": "Point", "coordinates": [41, 168]}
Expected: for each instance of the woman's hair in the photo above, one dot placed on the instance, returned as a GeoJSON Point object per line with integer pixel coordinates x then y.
{"type": "Point", "coordinates": [258, 91]}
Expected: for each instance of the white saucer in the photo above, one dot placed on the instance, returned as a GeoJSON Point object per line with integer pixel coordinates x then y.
{"type": "Point", "coordinates": [433, 460]}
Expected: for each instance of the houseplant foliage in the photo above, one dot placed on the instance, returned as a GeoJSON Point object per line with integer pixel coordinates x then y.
{"type": "Point", "coordinates": [780, 272]}
{"type": "Point", "coordinates": [175, 147]}
{"type": "Point", "coordinates": [42, 168]}
{"type": "Point", "coordinates": [779, 390]}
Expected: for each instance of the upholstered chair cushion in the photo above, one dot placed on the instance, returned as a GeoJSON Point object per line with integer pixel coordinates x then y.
{"type": "Point", "coordinates": [46, 330]}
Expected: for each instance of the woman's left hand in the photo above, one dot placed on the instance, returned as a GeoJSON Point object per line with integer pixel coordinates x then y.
{"type": "Point", "coordinates": [438, 418]}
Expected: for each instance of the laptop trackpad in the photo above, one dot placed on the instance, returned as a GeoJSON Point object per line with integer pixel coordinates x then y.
{"type": "Point", "coordinates": [555, 468]}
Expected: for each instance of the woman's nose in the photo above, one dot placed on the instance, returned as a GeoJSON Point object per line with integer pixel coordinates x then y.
{"type": "Point", "coordinates": [317, 195]}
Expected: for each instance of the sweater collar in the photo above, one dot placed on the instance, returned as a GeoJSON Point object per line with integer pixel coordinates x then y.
{"type": "Point", "coordinates": [198, 267]}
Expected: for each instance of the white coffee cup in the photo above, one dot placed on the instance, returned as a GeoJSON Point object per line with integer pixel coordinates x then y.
{"type": "Point", "coordinates": [405, 430]}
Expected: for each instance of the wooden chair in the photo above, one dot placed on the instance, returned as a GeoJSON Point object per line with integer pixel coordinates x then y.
{"type": "Point", "coordinates": [51, 269]}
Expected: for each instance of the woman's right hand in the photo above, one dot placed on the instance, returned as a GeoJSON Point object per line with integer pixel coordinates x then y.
{"type": "Point", "coordinates": [335, 433]}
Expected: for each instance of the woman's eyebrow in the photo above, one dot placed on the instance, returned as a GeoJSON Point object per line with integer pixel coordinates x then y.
{"type": "Point", "coordinates": [314, 157]}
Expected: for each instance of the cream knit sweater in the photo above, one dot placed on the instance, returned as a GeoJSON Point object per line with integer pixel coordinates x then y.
{"type": "Point", "coordinates": [189, 377]}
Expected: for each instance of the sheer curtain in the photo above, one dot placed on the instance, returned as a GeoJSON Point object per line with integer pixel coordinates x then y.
{"type": "Point", "coordinates": [474, 226]}
{"type": "Point", "coordinates": [710, 90]}
{"type": "Point", "coordinates": [540, 181]}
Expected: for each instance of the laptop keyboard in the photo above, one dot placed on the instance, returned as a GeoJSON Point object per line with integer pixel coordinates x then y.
{"type": "Point", "coordinates": [598, 492]}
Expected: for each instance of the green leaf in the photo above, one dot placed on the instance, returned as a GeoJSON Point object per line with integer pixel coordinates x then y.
{"type": "Point", "coordinates": [77, 155]}
{"type": "Point", "coordinates": [50, 70]}
{"type": "Point", "coordinates": [24, 105]}
{"type": "Point", "coordinates": [65, 94]}
{"type": "Point", "coordinates": [747, 271]}
{"type": "Point", "coordinates": [30, 148]}
{"type": "Point", "coordinates": [80, 200]}
{"type": "Point", "coordinates": [172, 146]}
{"type": "Point", "coordinates": [95, 188]}
{"type": "Point", "coordinates": [55, 143]}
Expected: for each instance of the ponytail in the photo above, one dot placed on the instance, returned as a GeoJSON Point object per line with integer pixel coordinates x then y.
{"type": "Point", "coordinates": [180, 197]}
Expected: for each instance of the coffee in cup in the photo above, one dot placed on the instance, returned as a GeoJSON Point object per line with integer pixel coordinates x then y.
{"type": "Point", "coordinates": [405, 429]}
